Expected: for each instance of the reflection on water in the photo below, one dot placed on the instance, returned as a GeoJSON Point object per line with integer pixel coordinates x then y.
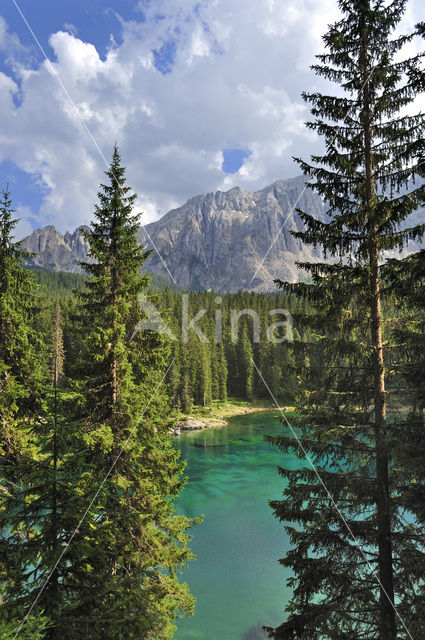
{"type": "Point", "coordinates": [236, 578]}
{"type": "Point", "coordinates": [256, 633]}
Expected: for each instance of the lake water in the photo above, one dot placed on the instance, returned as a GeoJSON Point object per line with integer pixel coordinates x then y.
{"type": "Point", "coordinates": [237, 581]}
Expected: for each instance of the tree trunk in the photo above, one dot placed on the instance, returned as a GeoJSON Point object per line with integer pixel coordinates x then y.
{"type": "Point", "coordinates": [385, 559]}
{"type": "Point", "coordinates": [114, 286]}
{"type": "Point", "coordinates": [388, 621]}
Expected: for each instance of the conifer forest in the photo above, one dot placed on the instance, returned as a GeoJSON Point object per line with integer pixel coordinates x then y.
{"type": "Point", "coordinates": [97, 367]}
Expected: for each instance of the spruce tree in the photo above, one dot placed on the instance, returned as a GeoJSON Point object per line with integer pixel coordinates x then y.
{"type": "Point", "coordinates": [35, 629]}
{"type": "Point", "coordinates": [56, 450]}
{"type": "Point", "coordinates": [20, 370]}
{"type": "Point", "coordinates": [203, 377]}
{"type": "Point", "coordinates": [407, 281]}
{"type": "Point", "coordinates": [366, 176]}
{"type": "Point", "coordinates": [136, 548]}
{"type": "Point", "coordinates": [185, 397]}
{"type": "Point", "coordinates": [22, 403]}
{"type": "Point", "coordinates": [40, 511]}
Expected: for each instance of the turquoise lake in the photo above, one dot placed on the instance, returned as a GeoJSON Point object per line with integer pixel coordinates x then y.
{"type": "Point", "coordinates": [236, 579]}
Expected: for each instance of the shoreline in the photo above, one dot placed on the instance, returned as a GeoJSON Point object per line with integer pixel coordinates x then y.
{"type": "Point", "coordinates": [218, 416]}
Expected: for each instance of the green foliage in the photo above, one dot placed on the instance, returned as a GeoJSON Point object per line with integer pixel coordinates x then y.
{"type": "Point", "coordinates": [61, 284]}
{"type": "Point", "coordinates": [407, 282]}
{"type": "Point", "coordinates": [198, 366]}
{"type": "Point", "coordinates": [222, 374]}
{"type": "Point", "coordinates": [136, 544]}
{"type": "Point", "coordinates": [88, 471]}
{"type": "Point", "coordinates": [214, 368]}
{"type": "Point", "coordinates": [366, 176]}
{"type": "Point", "coordinates": [20, 371]}
{"type": "Point", "coordinates": [58, 284]}
{"type": "Point", "coordinates": [247, 365]}
{"type": "Point", "coordinates": [34, 629]}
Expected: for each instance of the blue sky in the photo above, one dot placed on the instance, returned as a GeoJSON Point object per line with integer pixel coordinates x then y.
{"type": "Point", "coordinates": [94, 20]}
{"type": "Point", "coordinates": [199, 95]}
{"type": "Point", "coordinates": [24, 186]}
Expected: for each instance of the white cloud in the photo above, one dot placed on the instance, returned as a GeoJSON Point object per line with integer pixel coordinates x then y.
{"type": "Point", "coordinates": [7, 89]}
{"type": "Point", "coordinates": [23, 227]}
{"type": "Point", "coordinates": [9, 42]}
{"type": "Point", "coordinates": [236, 79]}
{"type": "Point", "coordinates": [68, 26]}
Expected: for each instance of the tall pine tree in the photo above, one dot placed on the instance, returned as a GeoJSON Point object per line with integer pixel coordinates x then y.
{"type": "Point", "coordinates": [137, 545]}
{"type": "Point", "coordinates": [373, 152]}
{"type": "Point", "coordinates": [20, 369]}
{"type": "Point", "coordinates": [43, 498]}
{"type": "Point", "coordinates": [21, 401]}
{"type": "Point", "coordinates": [407, 281]}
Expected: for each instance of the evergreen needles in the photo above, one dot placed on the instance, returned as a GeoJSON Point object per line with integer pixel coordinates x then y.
{"type": "Point", "coordinates": [90, 545]}
{"type": "Point", "coordinates": [367, 177]}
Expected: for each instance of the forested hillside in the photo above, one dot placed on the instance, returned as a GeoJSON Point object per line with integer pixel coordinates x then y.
{"type": "Point", "coordinates": [206, 369]}
{"type": "Point", "coordinates": [201, 362]}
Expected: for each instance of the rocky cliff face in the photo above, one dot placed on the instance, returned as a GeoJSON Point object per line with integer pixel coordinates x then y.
{"type": "Point", "coordinates": [54, 251]}
{"type": "Point", "coordinates": [223, 241]}
{"type": "Point", "coordinates": [234, 240]}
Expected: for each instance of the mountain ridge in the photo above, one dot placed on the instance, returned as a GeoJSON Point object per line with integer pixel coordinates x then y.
{"type": "Point", "coordinates": [223, 240]}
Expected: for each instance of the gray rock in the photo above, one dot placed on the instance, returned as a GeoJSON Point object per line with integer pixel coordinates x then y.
{"type": "Point", "coordinates": [219, 240]}
{"type": "Point", "coordinates": [56, 252]}
{"type": "Point", "coordinates": [190, 425]}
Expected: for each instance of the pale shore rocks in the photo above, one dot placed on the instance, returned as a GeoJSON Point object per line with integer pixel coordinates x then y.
{"type": "Point", "coordinates": [216, 421]}
{"type": "Point", "coordinates": [193, 424]}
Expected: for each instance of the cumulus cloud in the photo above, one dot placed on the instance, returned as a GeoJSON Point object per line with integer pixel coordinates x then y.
{"type": "Point", "coordinates": [232, 78]}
